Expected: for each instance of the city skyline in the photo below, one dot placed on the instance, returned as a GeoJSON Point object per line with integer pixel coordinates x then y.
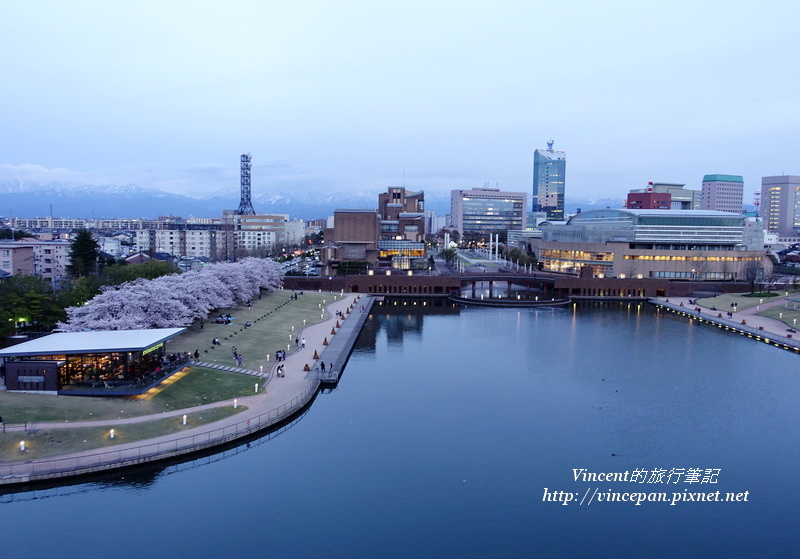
{"type": "Point", "coordinates": [434, 97]}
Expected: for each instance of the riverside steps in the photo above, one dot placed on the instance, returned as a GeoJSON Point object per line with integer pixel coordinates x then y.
{"type": "Point", "coordinates": [279, 399]}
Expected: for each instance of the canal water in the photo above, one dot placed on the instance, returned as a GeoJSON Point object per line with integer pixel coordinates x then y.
{"type": "Point", "coordinates": [457, 432]}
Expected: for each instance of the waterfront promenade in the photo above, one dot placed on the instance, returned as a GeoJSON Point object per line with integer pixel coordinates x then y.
{"type": "Point", "coordinates": [278, 399]}
{"type": "Point", "coordinates": [746, 321]}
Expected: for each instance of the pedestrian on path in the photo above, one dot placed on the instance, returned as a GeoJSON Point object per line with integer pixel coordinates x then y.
{"type": "Point", "coordinates": [297, 342]}
{"type": "Point", "coordinates": [322, 366]}
{"type": "Point", "coordinates": [304, 343]}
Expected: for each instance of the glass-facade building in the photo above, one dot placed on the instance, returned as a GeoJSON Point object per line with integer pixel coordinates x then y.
{"type": "Point", "coordinates": [487, 211]}
{"type": "Point", "coordinates": [549, 170]}
{"type": "Point", "coordinates": [661, 244]}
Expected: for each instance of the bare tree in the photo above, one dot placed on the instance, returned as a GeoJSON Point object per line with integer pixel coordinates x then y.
{"type": "Point", "coordinates": [751, 271]}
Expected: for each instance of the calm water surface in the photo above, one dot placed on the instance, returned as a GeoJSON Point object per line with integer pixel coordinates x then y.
{"type": "Point", "coordinates": [446, 428]}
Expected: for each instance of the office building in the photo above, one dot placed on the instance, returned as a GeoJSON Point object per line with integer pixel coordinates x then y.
{"type": "Point", "coordinates": [723, 193]}
{"type": "Point", "coordinates": [483, 211]}
{"type": "Point", "coordinates": [549, 169]}
{"type": "Point", "coordinates": [780, 205]}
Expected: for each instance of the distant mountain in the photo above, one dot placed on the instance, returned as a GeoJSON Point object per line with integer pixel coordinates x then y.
{"type": "Point", "coordinates": [28, 199]}
{"type": "Point", "coordinates": [572, 206]}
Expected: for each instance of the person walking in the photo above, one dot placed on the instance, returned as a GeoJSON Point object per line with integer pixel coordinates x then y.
{"type": "Point", "coordinates": [322, 366]}
{"type": "Point", "coordinates": [304, 343]}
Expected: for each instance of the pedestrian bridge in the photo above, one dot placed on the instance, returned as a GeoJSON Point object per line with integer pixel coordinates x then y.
{"type": "Point", "coordinates": [508, 290]}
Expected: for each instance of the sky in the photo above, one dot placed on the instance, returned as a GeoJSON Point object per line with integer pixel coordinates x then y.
{"type": "Point", "coordinates": [355, 95]}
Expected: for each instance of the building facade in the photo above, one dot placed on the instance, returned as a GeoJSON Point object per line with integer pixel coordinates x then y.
{"type": "Point", "coordinates": [197, 241]}
{"type": "Point", "coordinates": [780, 205]}
{"type": "Point", "coordinates": [660, 244]}
{"type": "Point", "coordinates": [724, 193]}
{"type": "Point", "coordinates": [484, 211]}
{"type": "Point", "coordinates": [648, 200]}
{"type": "Point", "coordinates": [30, 224]}
{"type": "Point", "coordinates": [16, 258]}
{"type": "Point", "coordinates": [549, 171]}
{"type": "Point", "coordinates": [402, 235]}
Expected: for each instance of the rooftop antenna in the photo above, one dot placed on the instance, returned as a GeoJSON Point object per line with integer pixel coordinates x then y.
{"type": "Point", "coordinates": [550, 145]}
{"type": "Point", "coordinates": [245, 204]}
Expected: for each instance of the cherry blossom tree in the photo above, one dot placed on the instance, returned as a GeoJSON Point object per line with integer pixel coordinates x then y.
{"type": "Point", "coordinates": [177, 299]}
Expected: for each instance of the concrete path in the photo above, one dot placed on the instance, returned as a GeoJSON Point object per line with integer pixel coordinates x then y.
{"type": "Point", "coordinates": [746, 317]}
{"type": "Point", "coordinates": [279, 392]}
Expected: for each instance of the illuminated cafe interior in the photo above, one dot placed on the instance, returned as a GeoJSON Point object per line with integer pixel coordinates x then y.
{"type": "Point", "coordinates": [107, 363]}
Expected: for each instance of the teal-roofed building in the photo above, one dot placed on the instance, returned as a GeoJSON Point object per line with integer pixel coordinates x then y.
{"type": "Point", "coordinates": [722, 193]}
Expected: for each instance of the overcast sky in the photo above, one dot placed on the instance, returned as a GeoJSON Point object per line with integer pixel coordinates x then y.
{"type": "Point", "coordinates": [359, 95]}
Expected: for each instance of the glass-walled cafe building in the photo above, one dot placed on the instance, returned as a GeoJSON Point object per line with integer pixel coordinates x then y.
{"type": "Point", "coordinates": [114, 362]}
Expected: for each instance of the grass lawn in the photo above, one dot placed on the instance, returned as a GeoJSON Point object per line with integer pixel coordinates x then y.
{"type": "Point", "coordinates": [789, 316]}
{"type": "Point", "coordinates": [44, 443]}
{"type": "Point", "coordinates": [785, 312]}
{"type": "Point", "coordinates": [272, 317]}
{"type": "Point", "coordinates": [199, 386]}
{"type": "Point", "coordinates": [276, 321]}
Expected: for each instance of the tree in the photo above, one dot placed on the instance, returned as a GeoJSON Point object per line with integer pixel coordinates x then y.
{"type": "Point", "coordinates": [449, 255]}
{"type": "Point", "coordinates": [751, 272]}
{"type": "Point", "coordinates": [28, 300]}
{"type": "Point", "coordinates": [84, 255]}
{"type": "Point", "coordinates": [516, 254]}
{"type": "Point", "coordinates": [175, 300]}
{"type": "Point", "coordinates": [78, 291]}
{"type": "Point", "coordinates": [121, 272]}
{"type": "Point", "coordinates": [11, 234]}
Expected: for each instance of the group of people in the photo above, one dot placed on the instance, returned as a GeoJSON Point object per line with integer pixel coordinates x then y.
{"type": "Point", "coordinates": [280, 371]}
{"type": "Point", "coordinates": [236, 356]}
{"type": "Point", "coordinates": [280, 355]}
{"type": "Point", "coordinates": [224, 319]}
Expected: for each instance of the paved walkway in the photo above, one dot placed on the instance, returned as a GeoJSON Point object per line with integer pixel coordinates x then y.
{"type": "Point", "coordinates": [279, 392]}
{"type": "Point", "coordinates": [746, 319]}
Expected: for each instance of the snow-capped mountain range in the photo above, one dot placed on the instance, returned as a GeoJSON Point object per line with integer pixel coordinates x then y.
{"type": "Point", "coordinates": [75, 200]}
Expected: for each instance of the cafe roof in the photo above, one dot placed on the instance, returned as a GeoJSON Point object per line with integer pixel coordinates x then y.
{"type": "Point", "coordinates": [103, 341]}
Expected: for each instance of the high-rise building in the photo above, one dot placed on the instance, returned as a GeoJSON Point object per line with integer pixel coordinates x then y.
{"type": "Point", "coordinates": [481, 211]}
{"type": "Point", "coordinates": [722, 193]}
{"type": "Point", "coordinates": [549, 168]}
{"type": "Point", "coordinates": [780, 205]}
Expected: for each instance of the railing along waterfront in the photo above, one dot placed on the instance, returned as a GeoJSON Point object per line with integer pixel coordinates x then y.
{"type": "Point", "coordinates": [15, 472]}
{"type": "Point", "coordinates": [759, 334]}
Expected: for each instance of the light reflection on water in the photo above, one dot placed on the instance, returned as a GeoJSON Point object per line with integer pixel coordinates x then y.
{"type": "Point", "coordinates": [448, 424]}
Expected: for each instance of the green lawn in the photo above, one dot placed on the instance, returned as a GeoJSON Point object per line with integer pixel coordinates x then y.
{"type": "Point", "coordinates": [44, 443]}
{"type": "Point", "coordinates": [272, 317]}
{"type": "Point", "coordinates": [785, 312]}
{"type": "Point", "coordinates": [199, 386]}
